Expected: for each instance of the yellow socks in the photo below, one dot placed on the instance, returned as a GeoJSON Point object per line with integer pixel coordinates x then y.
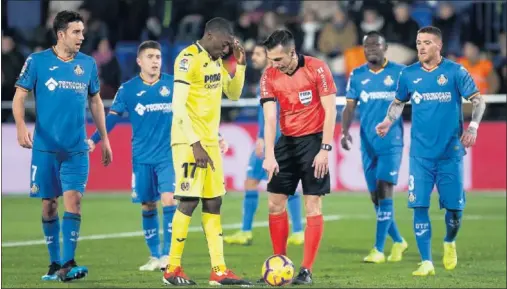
{"type": "Point", "coordinates": [213, 230]}
{"type": "Point", "coordinates": [180, 231]}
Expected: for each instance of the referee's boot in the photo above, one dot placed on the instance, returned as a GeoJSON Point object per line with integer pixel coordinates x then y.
{"type": "Point", "coordinates": [303, 278]}
{"type": "Point", "coordinates": [176, 277]}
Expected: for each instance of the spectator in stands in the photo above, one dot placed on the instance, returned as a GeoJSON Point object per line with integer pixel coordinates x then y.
{"type": "Point", "coordinates": [246, 29]}
{"type": "Point", "coordinates": [12, 62]}
{"type": "Point", "coordinates": [109, 69]}
{"type": "Point", "coordinates": [324, 9]}
{"type": "Point", "coordinates": [309, 28]}
{"type": "Point", "coordinates": [268, 24]}
{"type": "Point", "coordinates": [403, 30]}
{"type": "Point", "coordinates": [44, 37]}
{"type": "Point", "coordinates": [447, 21]}
{"type": "Point", "coordinates": [372, 21]}
{"type": "Point", "coordinates": [338, 34]}
{"type": "Point", "coordinates": [500, 63]}
{"type": "Point", "coordinates": [480, 69]}
{"type": "Point", "coordinates": [95, 30]}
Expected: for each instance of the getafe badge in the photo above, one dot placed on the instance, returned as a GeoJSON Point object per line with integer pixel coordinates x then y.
{"type": "Point", "coordinates": [34, 189]}
{"type": "Point", "coordinates": [78, 70]}
{"type": "Point", "coordinates": [388, 81]}
{"type": "Point", "coordinates": [411, 197]}
{"type": "Point", "coordinates": [164, 91]}
{"type": "Point", "coordinates": [441, 80]}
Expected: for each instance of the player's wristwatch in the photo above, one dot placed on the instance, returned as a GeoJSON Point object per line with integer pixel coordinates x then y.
{"type": "Point", "coordinates": [326, 147]}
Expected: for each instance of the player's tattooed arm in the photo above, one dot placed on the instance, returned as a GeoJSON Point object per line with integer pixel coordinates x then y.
{"type": "Point", "coordinates": [479, 106]}
{"type": "Point", "coordinates": [395, 110]}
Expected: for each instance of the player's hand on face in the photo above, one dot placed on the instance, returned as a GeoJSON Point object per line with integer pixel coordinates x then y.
{"type": "Point", "coordinates": [25, 138]}
{"type": "Point", "coordinates": [469, 136]}
{"type": "Point", "coordinates": [224, 146]}
{"type": "Point", "coordinates": [259, 147]}
{"type": "Point", "coordinates": [383, 127]}
{"type": "Point", "coordinates": [346, 140]}
{"type": "Point", "coordinates": [107, 153]}
{"type": "Point", "coordinates": [321, 164]}
{"type": "Point", "coordinates": [239, 52]}
{"type": "Point", "coordinates": [91, 145]}
{"type": "Point", "coordinates": [271, 166]}
{"type": "Point", "coordinates": [202, 158]}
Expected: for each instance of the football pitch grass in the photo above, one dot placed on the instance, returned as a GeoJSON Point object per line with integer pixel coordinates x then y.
{"type": "Point", "coordinates": [112, 245]}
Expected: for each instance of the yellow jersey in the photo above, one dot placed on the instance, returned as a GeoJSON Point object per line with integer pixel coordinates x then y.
{"type": "Point", "coordinates": [199, 82]}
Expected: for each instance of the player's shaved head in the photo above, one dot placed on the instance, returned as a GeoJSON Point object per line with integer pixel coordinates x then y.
{"type": "Point", "coordinates": [218, 37]}
{"type": "Point", "coordinates": [375, 46]}
{"type": "Point", "coordinates": [148, 44]}
{"type": "Point", "coordinates": [431, 30]}
{"type": "Point", "coordinates": [219, 25]}
{"type": "Point", "coordinates": [63, 18]}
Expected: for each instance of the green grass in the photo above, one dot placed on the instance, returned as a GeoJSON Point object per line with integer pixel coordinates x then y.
{"type": "Point", "coordinates": [113, 263]}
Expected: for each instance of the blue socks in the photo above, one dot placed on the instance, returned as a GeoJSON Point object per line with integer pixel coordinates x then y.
{"type": "Point", "coordinates": [168, 228]}
{"type": "Point", "coordinates": [422, 230]}
{"type": "Point", "coordinates": [70, 229]}
{"type": "Point", "coordinates": [393, 231]}
{"type": "Point", "coordinates": [384, 220]}
{"type": "Point", "coordinates": [250, 204]}
{"type": "Point", "coordinates": [295, 212]}
{"type": "Point", "coordinates": [150, 228]}
{"type": "Point", "coordinates": [51, 228]}
{"type": "Point", "coordinates": [452, 224]}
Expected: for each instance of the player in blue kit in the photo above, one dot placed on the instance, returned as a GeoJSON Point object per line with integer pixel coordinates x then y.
{"type": "Point", "coordinates": [147, 98]}
{"type": "Point", "coordinates": [62, 80]}
{"type": "Point", "coordinates": [255, 174]}
{"type": "Point", "coordinates": [435, 86]}
{"type": "Point", "coordinates": [374, 86]}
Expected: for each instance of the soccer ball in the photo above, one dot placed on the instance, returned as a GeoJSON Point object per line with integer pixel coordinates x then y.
{"type": "Point", "coordinates": [278, 270]}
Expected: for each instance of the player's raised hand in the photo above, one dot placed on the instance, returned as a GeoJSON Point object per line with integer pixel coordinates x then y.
{"type": "Point", "coordinates": [346, 140]}
{"type": "Point", "coordinates": [91, 145]}
{"type": "Point", "coordinates": [469, 136]}
{"type": "Point", "coordinates": [201, 156]}
{"type": "Point", "coordinates": [271, 167]}
{"type": "Point", "coordinates": [259, 147]}
{"type": "Point", "coordinates": [239, 52]}
{"type": "Point", "coordinates": [321, 164]}
{"type": "Point", "coordinates": [107, 153]}
{"type": "Point", "coordinates": [383, 128]}
{"type": "Point", "coordinates": [25, 138]}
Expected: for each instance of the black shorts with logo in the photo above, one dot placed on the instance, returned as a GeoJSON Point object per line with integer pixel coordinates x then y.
{"type": "Point", "coordinates": [295, 157]}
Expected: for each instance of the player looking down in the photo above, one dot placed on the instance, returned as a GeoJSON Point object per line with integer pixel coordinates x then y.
{"type": "Point", "coordinates": [199, 80]}
{"type": "Point", "coordinates": [62, 80]}
{"type": "Point", "coordinates": [435, 86]}
{"type": "Point", "coordinates": [374, 85]}
{"type": "Point", "coordinates": [305, 91]}
{"type": "Point", "coordinates": [255, 173]}
{"type": "Point", "coordinates": [147, 98]}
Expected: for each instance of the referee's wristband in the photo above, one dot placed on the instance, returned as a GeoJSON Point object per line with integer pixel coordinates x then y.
{"type": "Point", "coordinates": [474, 125]}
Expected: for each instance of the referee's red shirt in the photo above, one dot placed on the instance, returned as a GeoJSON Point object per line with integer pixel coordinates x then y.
{"type": "Point", "coordinates": [301, 112]}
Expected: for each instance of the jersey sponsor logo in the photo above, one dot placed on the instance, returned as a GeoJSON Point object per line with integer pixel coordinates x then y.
{"type": "Point", "coordinates": [52, 84]}
{"type": "Point", "coordinates": [305, 97]}
{"type": "Point", "coordinates": [388, 81]}
{"type": "Point", "coordinates": [78, 70]}
{"type": "Point", "coordinates": [183, 65]}
{"type": "Point", "coordinates": [154, 107]}
{"type": "Point", "coordinates": [320, 71]}
{"type": "Point", "coordinates": [212, 81]}
{"type": "Point", "coordinates": [431, 96]}
{"type": "Point", "coordinates": [164, 91]}
{"type": "Point", "coordinates": [377, 95]}
{"type": "Point", "coordinates": [442, 80]}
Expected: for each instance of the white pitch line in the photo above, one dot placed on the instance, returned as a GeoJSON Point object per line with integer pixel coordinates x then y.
{"type": "Point", "coordinates": [328, 218]}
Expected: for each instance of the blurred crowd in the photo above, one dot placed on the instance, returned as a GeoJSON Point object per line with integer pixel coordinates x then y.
{"type": "Point", "coordinates": [474, 32]}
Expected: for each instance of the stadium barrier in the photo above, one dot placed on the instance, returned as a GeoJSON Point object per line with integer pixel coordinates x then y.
{"type": "Point", "coordinates": [484, 166]}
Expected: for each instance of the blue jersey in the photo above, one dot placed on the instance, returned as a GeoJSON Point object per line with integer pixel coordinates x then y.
{"type": "Point", "coordinates": [260, 120]}
{"type": "Point", "coordinates": [437, 117]}
{"type": "Point", "coordinates": [375, 90]}
{"type": "Point", "coordinates": [149, 108]}
{"type": "Point", "coordinates": [61, 89]}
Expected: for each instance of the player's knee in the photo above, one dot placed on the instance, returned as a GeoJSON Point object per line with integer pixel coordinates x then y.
{"type": "Point", "coordinates": [49, 208]}
{"type": "Point", "coordinates": [251, 184]}
{"type": "Point", "coordinates": [149, 206]}
{"type": "Point", "coordinates": [374, 199]}
{"type": "Point", "coordinates": [187, 205]}
{"type": "Point", "coordinates": [168, 200]}
{"type": "Point", "coordinates": [212, 206]}
{"type": "Point", "coordinates": [313, 206]}
{"type": "Point", "coordinates": [72, 202]}
{"type": "Point", "coordinates": [384, 190]}
{"type": "Point", "coordinates": [277, 203]}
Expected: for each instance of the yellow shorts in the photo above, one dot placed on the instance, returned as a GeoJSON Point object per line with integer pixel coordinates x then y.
{"type": "Point", "coordinates": [195, 182]}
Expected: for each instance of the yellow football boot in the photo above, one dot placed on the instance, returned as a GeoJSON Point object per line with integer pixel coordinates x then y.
{"type": "Point", "coordinates": [375, 257]}
{"type": "Point", "coordinates": [425, 269]}
{"type": "Point", "coordinates": [296, 239]}
{"type": "Point", "coordinates": [450, 255]}
{"type": "Point", "coordinates": [239, 238]}
{"type": "Point", "coordinates": [397, 251]}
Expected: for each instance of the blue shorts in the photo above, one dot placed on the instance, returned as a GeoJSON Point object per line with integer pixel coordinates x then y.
{"type": "Point", "coordinates": [255, 170]}
{"type": "Point", "coordinates": [150, 180]}
{"type": "Point", "coordinates": [446, 174]}
{"type": "Point", "coordinates": [382, 167]}
{"type": "Point", "coordinates": [52, 173]}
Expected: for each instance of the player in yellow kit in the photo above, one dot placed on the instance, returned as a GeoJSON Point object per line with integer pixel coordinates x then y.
{"type": "Point", "coordinates": [199, 80]}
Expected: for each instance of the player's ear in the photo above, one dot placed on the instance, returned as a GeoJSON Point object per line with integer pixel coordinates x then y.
{"type": "Point", "coordinates": [138, 61]}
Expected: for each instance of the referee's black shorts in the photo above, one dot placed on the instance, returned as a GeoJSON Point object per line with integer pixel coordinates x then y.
{"type": "Point", "coordinates": [295, 157]}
